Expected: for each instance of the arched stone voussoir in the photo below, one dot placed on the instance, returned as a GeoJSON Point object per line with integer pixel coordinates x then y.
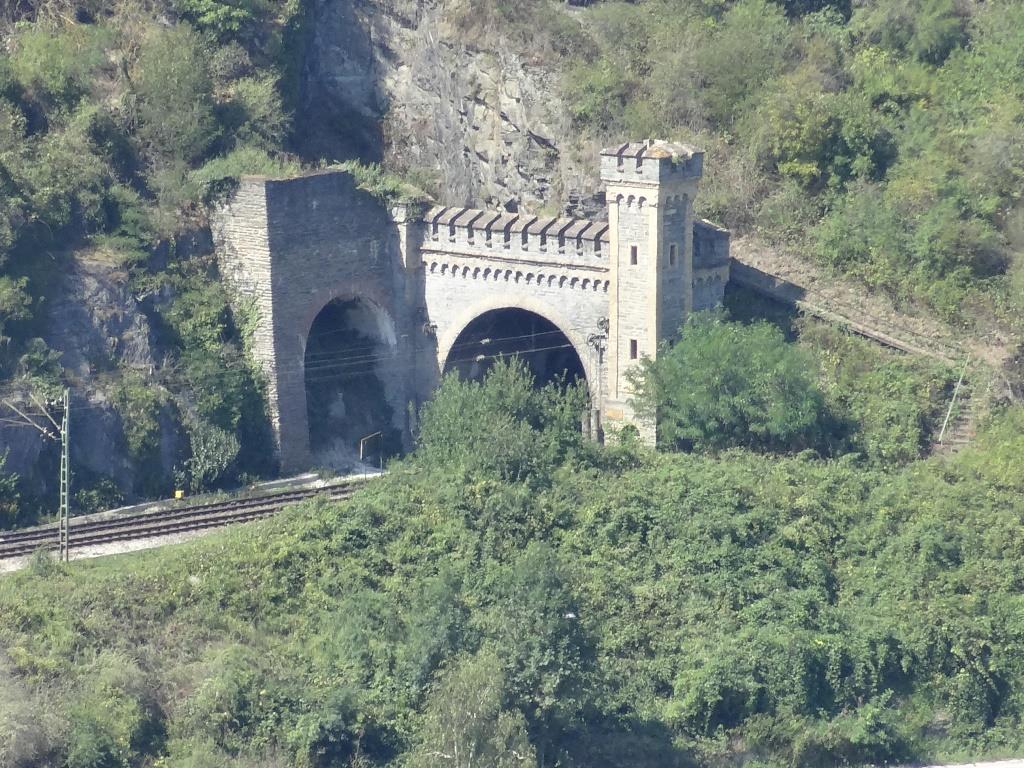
{"type": "Point", "coordinates": [449, 330]}
{"type": "Point", "coordinates": [368, 295]}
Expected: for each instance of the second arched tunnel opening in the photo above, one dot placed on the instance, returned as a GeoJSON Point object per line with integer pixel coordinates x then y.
{"type": "Point", "coordinates": [511, 332]}
{"type": "Point", "coordinates": [351, 368]}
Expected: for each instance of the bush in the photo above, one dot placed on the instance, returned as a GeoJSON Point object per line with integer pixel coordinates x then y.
{"type": "Point", "coordinates": [239, 706]}
{"type": "Point", "coordinates": [98, 496]}
{"type": "Point", "coordinates": [214, 451]}
{"type": "Point", "coordinates": [15, 302]}
{"type": "Point", "coordinates": [9, 497]}
{"type": "Point", "coordinates": [110, 722]}
{"type": "Point", "coordinates": [262, 119]}
{"type": "Point", "coordinates": [751, 44]}
{"type": "Point", "coordinates": [175, 95]}
{"type": "Point", "coordinates": [465, 716]}
{"type": "Point", "coordinates": [56, 68]}
{"type": "Point", "coordinates": [725, 385]}
{"type": "Point", "coordinates": [219, 177]}
{"type": "Point", "coordinates": [224, 20]}
{"type": "Point", "coordinates": [31, 731]}
{"type": "Point", "coordinates": [66, 185]}
{"type": "Point", "coordinates": [139, 404]}
{"type": "Point", "coordinates": [218, 387]}
{"type": "Point", "coordinates": [501, 426]}
{"type": "Point", "coordinates": [382, 184]}
{"type": "Point", "coordinates": [892, 404]}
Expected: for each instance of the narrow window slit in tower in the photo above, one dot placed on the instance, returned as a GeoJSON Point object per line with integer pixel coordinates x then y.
{"type": "Point", "coordinates": [632, 349]}
{"type": "Point", "coordinates": [632, 254]}
{"type": "Point", "coordinates": [672, 255]}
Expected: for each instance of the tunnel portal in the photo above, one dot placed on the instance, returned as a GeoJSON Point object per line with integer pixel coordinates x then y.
{"type": "Point", "coordinates": [516, 333]}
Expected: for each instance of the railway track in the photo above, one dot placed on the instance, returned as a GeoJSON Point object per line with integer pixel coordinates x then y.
{"type": "Point", "coordinates": [145, 525]}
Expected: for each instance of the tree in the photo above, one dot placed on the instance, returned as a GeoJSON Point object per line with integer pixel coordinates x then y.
{"type": "Point", "coordinates": [725, 384]}
{"type": "Point", "coordinates": [501, 426]}
{"type": "Point", "coordinates": [465, 724]}
{"type": "Point", "coordinates": [10, 500]}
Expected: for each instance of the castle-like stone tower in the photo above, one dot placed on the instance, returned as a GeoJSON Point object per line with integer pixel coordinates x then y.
{"type": "Point", "coordinates": [615, 288]}
{"type": "Point", "coordinates": [650, 188]}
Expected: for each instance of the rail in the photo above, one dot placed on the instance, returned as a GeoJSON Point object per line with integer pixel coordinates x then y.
{"type": "Point", "coordinates": [145, 525]}
{"type": "Point", "coordinates": [881, 330]}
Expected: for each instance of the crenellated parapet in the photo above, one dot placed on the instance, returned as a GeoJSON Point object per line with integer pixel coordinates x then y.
{"type": "Point", "coordinates": [641, 163]}
{"type": "Point", "coordinates": [570, 242]}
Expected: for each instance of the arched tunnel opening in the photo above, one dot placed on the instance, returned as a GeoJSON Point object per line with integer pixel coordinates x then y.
{"type": "Point", "coordinates": [351, 373]}
{"type": "Point", "coordinates": [507, 333]}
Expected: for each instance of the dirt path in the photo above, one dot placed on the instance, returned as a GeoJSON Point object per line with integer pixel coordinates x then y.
{"type": "Point", "coordinates": [853, 301]}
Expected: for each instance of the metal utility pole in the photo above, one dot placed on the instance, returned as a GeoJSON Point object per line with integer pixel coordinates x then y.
{"type": "Point", "coordinates": [63, 526]}
{"type": "Point", "coordinates": [65, 481]}
{"type": "Point", "coordinates": [599, 341]}
{"type": "Point", "coordinates": [362, 450]}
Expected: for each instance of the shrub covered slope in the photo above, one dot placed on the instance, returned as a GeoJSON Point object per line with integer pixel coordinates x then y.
{"type": "Point", "coordinates": [517, 595]}
{"type": "Point", "coordinates": [882, 137]}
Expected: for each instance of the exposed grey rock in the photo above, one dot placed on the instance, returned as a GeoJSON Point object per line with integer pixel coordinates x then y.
{"type": "Point", "coordinates": [395, 80]}
{"type": "Point", "coordinates": [93, 320]}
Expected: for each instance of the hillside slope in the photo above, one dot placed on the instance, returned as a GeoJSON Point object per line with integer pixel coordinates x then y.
{"type": "Point", "coordinates": [524, 597]}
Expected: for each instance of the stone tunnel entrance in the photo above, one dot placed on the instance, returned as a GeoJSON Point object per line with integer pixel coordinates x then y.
{"type": "Point", "coordinates": [353, 383]}
{"type": "Point", "coordinates": [504, 333]}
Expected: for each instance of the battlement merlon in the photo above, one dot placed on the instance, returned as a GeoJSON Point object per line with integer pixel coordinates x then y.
{"type": "Point", "coordinates": [650, 163]}
{"type": "Point", "coordinates": [474, 232]}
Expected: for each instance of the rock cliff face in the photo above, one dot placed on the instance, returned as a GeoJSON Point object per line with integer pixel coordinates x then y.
{"type": "Point", "coordinates": [396, 80]}
{"type": "Point", "coordinates": [392, 81]}
{"type": "Point", "coordinates": [98, 326]}
{"type": "Point", "coordinates": [93, 320]}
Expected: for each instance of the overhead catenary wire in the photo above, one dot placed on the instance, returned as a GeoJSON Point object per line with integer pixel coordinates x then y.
{"type": "Point", "coordinates": [476, 358]}
{"type": "Point", "coordinates": [343, 362]}
{"type": "Point", "coordinates": [390, 352]}
{"type": "Point", "coordinates": [492, 339]}
{"type": "Point", "coordinates": [334, 373]}
{"type": "Point", "coordinates": [368, 363]}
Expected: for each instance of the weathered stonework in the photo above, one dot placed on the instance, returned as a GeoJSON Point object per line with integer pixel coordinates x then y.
{"type": "Point", "coordinates": [289, 247]}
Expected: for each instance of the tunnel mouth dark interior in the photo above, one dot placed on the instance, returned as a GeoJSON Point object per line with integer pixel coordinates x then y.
{"type": "Point", "coordinates": [349, 351]}
{"type": "Point", "coordinates": [516, 333]}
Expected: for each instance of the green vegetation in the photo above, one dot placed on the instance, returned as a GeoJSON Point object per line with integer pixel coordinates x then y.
{"type": "Point", "coordinates": [119, 124]}
{"type": "Point", "coordinates": [9, 496]}
{"type": "Point", "coordinates": [892, 405]}
{"type": "Point", "coordinates": [883, 141]}
{"type": "Point", "coordinates": [383, 185]}
{"type": "Point", "coordinates": [599, 607]}
{"type": "Point", "coordinates": [725, 385]}
{"type": "Point", "coordinates": [789, 583]}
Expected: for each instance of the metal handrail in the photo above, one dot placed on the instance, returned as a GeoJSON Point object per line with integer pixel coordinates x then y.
{"type": "Point", "coordinates": [952, 400]}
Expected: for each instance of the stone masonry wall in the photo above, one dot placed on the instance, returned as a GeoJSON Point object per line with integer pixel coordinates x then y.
{"type": "Point", "coordinates": [459, 287]}
{"type": "Point", "coordinates": [242, 242]}
{"type": "Point", "coordinates": [296, 245]}
{"type": "Point", "coordinates": [289, 247]}
{"type": "Point", "coordinates": [710, 264]}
